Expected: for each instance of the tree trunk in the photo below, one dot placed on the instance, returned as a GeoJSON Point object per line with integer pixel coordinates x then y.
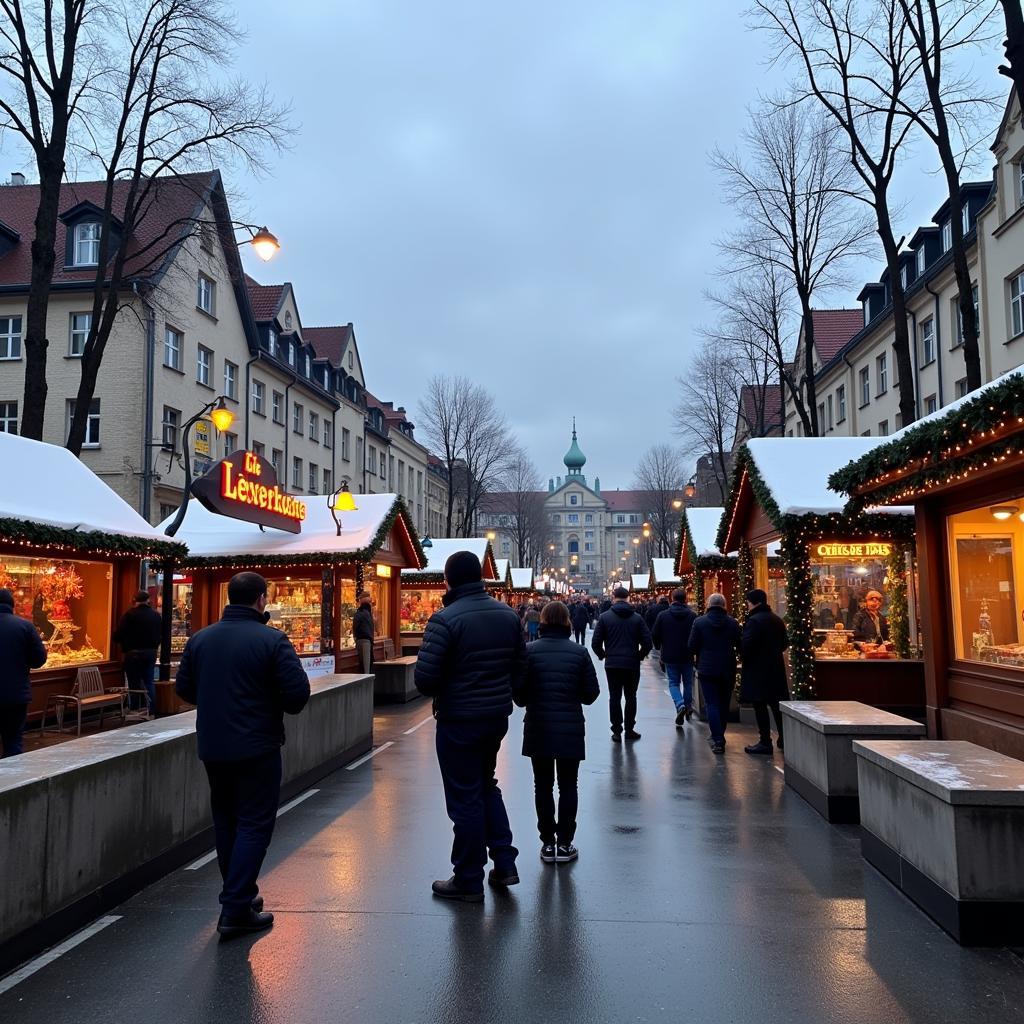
{"type": "Point", "coordinates": [811, 415]}
{"type": "Point", "coordinates": [901, 332]}
{"type": "Point", "coordinates": [1014, 46]}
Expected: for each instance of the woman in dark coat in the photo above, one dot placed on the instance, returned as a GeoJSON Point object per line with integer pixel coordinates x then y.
{"type": "Point", "coordinates": [763, 680]}
{"type": "Point", "coordinates": [558, 681]}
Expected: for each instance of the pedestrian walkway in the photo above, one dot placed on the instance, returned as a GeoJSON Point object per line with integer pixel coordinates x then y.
{"type": "Point", "coordinates": [704, 891]}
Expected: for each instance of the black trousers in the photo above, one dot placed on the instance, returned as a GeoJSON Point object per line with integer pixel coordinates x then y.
{"type": "Point", "coordinates": [763, 723]}
{"type": "Point", "coordinates": [544, 770]}
{"type": "Point", "coordinates": [467, 753]}
{"type": "Point", "coordinates": [580, 634]}
{"type": "Point", "coordinates": [622, 682]}
{"type": "Point", "coordinates": [12, 728]}
{"type": "Point", "coordinates": [244, 796]}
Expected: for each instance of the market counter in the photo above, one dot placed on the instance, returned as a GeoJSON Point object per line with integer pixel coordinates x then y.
{"type": "Point", "coordinates": [85, 824]}
{"type": "Point", "coordinates": [895, 684]}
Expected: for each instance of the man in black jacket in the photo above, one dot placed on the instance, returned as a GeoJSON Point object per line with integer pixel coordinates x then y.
{"type": "Point", "coordinates": [471, 657]}
{"type": "Point", "coordinates": [139, 633]}
{"type": "Point", "coordinates": [622, 641]}
{"type": "Point", "coordinates": [671, 636]}
{"type": "Point", "coordinates": [363, 631]}
{"type": "Point", "coordinates": [243, 678]}
{"type": "Point", "coordinates": [21, 650]}
{"type": "Point", "coordinates": [763, 680]}
{"type": "Point", "coordinates": [714, 643]}
{"type": "Point", "coordinates": [580, 614]}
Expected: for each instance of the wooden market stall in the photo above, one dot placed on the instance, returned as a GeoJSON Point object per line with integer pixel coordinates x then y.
{"type": "Point", "coordinates": [70, 552]}
{"type": "Point", "coordinates": [700, 565]}
{"type": "Point", "coordinates": [963, 470]}
{"type": "Point", "coordinates": [832, 563]}
{"type": "Point", "coordinates": [313, 576]}
{"type": "Point", "coordinates": [664, 578]}
{"type": "Point", "coordinates": [500, 587]}
{"type": "Point", "coordinates": [640, 586]}
{"type": "Point", "coordinates": [523, 584]}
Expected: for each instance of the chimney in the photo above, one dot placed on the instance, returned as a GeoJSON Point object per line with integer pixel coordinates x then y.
{"type": "Point", "coordinates": [551, 483]}
{"type": "Point", "coordinates": [597, 485]}
{"type": "Point", "coordinates": [17, 178]}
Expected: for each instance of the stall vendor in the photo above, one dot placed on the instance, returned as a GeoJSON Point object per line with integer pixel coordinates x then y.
{"type": "Point", "coordinates": [869, 624]}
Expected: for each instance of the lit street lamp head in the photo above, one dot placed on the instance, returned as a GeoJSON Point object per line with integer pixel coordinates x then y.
{"type": "Point", "coordinates": [266, 244]}
{"type": "Point", "coordinates": [221, 415]}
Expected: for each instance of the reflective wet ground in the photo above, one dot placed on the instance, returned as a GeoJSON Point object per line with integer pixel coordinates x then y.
{"type": "Point", "coordinates": [704, 891]}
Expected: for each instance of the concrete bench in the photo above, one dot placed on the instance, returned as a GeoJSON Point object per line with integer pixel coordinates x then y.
{"type": "Point", "coordinates": [820, 763]}
{"type": "Point", "coordinates": [393, 680]}
{"type": "Point", "coordinates": [944, 821]}
{"type": "Point", "coordinates": [85, 824]}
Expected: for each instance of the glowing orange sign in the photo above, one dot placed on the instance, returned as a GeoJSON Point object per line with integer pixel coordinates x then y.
{"type": "Point", "coordinates": [857, 549]}
{"type": "Point", "coordinates": [244, 486]}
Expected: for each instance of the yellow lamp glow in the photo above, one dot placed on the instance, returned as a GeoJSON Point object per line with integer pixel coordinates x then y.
{"type": "Point", "coordinates": [265, 244]}
{"type": "Point", "coordinates": [222, 416]}
{"type": "Point", "coordinates": [344, 501]}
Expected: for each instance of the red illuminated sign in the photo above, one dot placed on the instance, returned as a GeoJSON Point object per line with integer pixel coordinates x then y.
{"type": "Point", "coordinates": [244, 486]}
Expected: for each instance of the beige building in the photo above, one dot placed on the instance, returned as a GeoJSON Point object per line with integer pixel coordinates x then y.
{"type": "Point", "coordinates": [855, 366]}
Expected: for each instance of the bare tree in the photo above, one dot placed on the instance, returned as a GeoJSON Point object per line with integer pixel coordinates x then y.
{"type": "Point", "coordinates": [660, 474]}
{"type": "Point", "coordinates": [1014, 46]}
{"type": "Point", "coordinates": [166, 109]}
{"type": "Point", "coordinates": [523, 503]}
{"type": "Point", "coordinates": [441, 413]}
{"type": "Point", "coordinates": [706, 412]}
{"type": "Point", "coordinates": [42, 86]}
{"type": "Point", "coordinates": [950, 121]}
{"type": "Point", "coordinates": [793, 188]}
{"type": "Point", "coordinates": [859, 63]}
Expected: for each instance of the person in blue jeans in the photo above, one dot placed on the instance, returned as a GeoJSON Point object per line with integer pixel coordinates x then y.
{"type": "Point", "coordinates": [714, 644]}
{"type": "Point", "coordinates": [671, 636]}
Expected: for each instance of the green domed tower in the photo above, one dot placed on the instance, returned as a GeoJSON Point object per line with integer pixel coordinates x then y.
{"type": "Point", "coordinates": [574, 459]}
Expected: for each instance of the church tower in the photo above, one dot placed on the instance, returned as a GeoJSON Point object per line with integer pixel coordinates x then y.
{"type": "Point", "coordinates": [575, 460]}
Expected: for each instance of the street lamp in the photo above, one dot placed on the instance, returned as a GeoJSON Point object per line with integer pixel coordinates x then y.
{"type": "Point", "coordinates": [491, 535]}
{"type": "Point", "coordinates": [677, 503]}
{"type": "Point", "coordinates": [691, 487]}
{"type": "Point", "coordinates": [265, 244]}
{"type": "Point", "coordinates": [341, 501]}
{"type": "Point", "coordinates": [636, 553]}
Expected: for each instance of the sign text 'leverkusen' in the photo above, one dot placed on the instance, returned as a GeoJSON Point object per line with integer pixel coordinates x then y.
{"type": "Point", "coordinates": [244, 486]}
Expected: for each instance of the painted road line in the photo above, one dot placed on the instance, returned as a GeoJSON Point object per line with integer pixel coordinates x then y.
{"type": "Point", "coordinates": [409, 732]}
{"type": "Point", "coordinates": [202, 862]}
{"type": "Point", "coordinates": [781, 771]}
{"type": "Point", "coordinates": [366, 757]}
{"type": "Point", "coordinates": [54, 954]}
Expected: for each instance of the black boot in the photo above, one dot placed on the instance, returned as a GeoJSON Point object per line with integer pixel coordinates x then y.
{"type": "Point", "coordinates": [760, 747]}
{"type": "Point", "coordinates": [448, 889]}
{"type": "Point", "coordinates": [231, 927]}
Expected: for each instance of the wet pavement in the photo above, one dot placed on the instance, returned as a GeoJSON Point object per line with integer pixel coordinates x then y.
{"type": "Point", "coordinates": [704, 890]}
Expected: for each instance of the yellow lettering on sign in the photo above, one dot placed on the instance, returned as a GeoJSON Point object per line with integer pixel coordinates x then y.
{"type": "Point", "coordinates": [248, 492]}
{"type": "Point", "coordinates": [856, 549]}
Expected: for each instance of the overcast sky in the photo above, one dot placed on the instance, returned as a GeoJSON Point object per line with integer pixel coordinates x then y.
{"type": "Point", "coordinates": [516, 192]}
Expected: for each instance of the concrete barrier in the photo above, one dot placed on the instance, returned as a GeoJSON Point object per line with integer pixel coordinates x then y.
{"type": "Point", "coordinates": [394, 680]}
{"type": "Point", "coordinates": [86, 823]}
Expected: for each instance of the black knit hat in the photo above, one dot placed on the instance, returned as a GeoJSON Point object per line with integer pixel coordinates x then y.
{"type": "Point", "coordinates": [462, 567]}
{"type": "Point", "coordinates": [756, 596]}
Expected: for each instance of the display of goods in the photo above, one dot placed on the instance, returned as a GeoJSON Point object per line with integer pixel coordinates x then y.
{"type": "Point", "coordinates": [60, 585]}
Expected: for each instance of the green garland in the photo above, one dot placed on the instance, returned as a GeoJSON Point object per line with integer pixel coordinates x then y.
{"type": "Point", "coordinates": [699, 597]}
{"type": "Point", "coordinates": [896, 590]}
{"type": "Point", "coordinates": [796, 561]}
{"type": "Point", "coordinates": [744, 580]}
{"type": "Point", "coordinates": [20, 530]}
{"type": "Point", "coordinates": [939, 449]}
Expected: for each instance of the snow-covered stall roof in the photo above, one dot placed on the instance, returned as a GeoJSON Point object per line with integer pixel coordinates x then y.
{"type": "Point", "coordinates": [702, 524]}
{"type": "Point", "coordinates": [639, 581]}
{"type": "Point", "coordinates": [663, 572]}
{"type": "Point", "coordinates": [522, 579]}
{"type": "Point", "coordinates": [440, 549]}
{"type": "Point", "coordinates": [47, 486]}
{"type": "Point", "coordinates": [502, 566]}
{"type": "Point", "coordinates": [211, 536]}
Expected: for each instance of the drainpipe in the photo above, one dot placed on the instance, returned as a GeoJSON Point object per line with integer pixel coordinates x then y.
{"type": "Point", "coordinates": [853, 399]}
{"type": "Point", "coordinates": [248, 399]}
{"type": "Point", "coordinates": [913, 357]}
{"type": "Point", "coordinates": [938, 340]}
{"type": "Point", "coordinates": [146, 502]}
{"type": "Point", "coordinates": [286, 468]}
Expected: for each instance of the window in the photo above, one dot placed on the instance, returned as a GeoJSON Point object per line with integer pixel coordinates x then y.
{"type": "Point", "coordinates": [383, 466]}
{"type": "Point", "coordinates": [10, 337]}
{"type": "Point", "coordinates": [314, 427]}
{"type": "Point", "coordinates": [588, 545]}
{"type": "Point", "coordinates": [230, 379]}
{"type": "Point", "coordinates": [867, 312]}
{"type": "Point", "coordinates": [556, 519]}
{"type": "Point", "coordinates": [573, 518]}
{"type": "Point", "coordinates": [960, 387]}
{"type": "Point", "coordinates": [899, 420]}
{"type": "Point", "coordinates": [230, 443]}
{"type": "Point", "coordinates": [204, 362]}
{"type": "Point", "coordinates": [930, 405]}
{"type": "Point", "coordinates": [8, 417]}
{"type": "Point", "coordinates": [276, 460]}
{"type": "Point", "coordinates": [1016, 307]}
{"type": "Point", "coordinates": [206, 292]}
{"type": "Point", "coordinates": [298, 418]}
{"type": "Point", "coordinates": [314, 477]}
{"type": "Point", "coordinates": [965, 221]}
{"type": "Point", "coordinates": [172, 348]}
{"type": "Point", "coordinates": [371, 455]}
{"type": "Point", "coordinates": [169, 428]}
{"type": "Point", "coordinates": [829, 402]}
{"type": "Point", "coordinates": [883, 428]}
{"type": "Point", "coordinates": [947, 236]}
{"type": "Point", "coordinates": [329, 434]}
{"type": "Point", "coordinates": [259, 392]}
{"type": "Point", "coordinates": [401, 473]}
{"type": "Point", "coordinates": [866, 433]}
{"type": "Point", "coordinates": [903, 277]}
{"type": "Point", "coordinates": [958, 317]}
{"type": "Point", "coordinates": [80, 324]}
{"type": "Point", "coordinates": [296, 472]}
{"type": "Point", "coordinates": [574, 499]}
{"type": "Point", "coordinates": [277, 407]}
{"type": "Point", "coordinates": [821, 415]}
{"type": "Point", "coordinates": [327, 482]}
{"type": "Point", "coordinates": [308, 365]}
{"type": "Point", "coordinates": [619, 518]}
{"type": "Point", "coordinates": [272, 341]}
{"type": "Point", "coordinates": [259, 449]}
{"type": "Point", "coordinates": [865, 386]}
{"type": "Point", "coordinates": [920, 260]}
{"type": "Point", "coordinates": [588, 518]}
{"type": "Point", "coordinates": [928, 342]}
{"type": "Point", "coordinates": [1020, 183]}
{"type": "Point", "coordinates": [882, 373]}
{"type": "Point", "coordinates": [87, 244]}
{"type": "Point", "coordinates": [346, 442]}
{"type": "Point", "coordinates": [291, 353]}
{"type": "Point", "coordinates": [92, 423]}
{"type": "Point", "coordinates": [350, 360]}
{"type": "Point", "coordinates": [841, 403]}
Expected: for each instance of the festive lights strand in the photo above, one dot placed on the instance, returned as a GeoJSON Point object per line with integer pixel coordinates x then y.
{"type": "Point", "coordinates": [22, 534]}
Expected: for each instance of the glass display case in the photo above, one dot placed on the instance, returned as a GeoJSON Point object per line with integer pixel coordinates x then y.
{"type": "Point", "coordinates": [418, 605]}
{"type": "Point", "coordinates": [380, 590]}
{"type": "Point", "coordinates": [347, 601]}
{"type": "Point", "coordinates": [181, 613]}
{"type": "Point", "coordinates": [294, 606]}
{"type": "Point", "coordinates": [69, 603]}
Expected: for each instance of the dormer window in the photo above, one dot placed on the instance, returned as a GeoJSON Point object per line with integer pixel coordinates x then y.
{"type": "Point", "coordinates": [272, 341]}
{"type": "Point", "coordinates": [87, 244]}
{"type": "Point", "coordinates": [307, 365]}
{"type": "Point", "coordinates": [903, 276]}
{"type": "Point", "coordinates": [920, 261]}
{"type": "Point", "coordinates": [350, 354]}
{"type": "Point", "coordinates": [966, 218]}
{"type": "Point", "coordinates": [867, 312]}
{"type": "Point", "coordinates": [291, 353]}
{"type": "Point", "coordinates": [947, 236]}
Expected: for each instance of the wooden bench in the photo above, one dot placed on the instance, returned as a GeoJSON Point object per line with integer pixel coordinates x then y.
{"type": "Point", "coordinates": [820, 763]}
{"type": "Point", "coordinates": [944, 821]}
{"type": "Point", "coordinates": [88, 694]}
{"type": "Point", "coordinates": [394, 681]}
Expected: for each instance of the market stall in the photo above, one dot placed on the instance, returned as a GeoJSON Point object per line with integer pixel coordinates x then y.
{"type": "Point", "coordinates": [700, 564]}
{"type": "Point", "coordinates": [845, 577]}
{"type": "Point", "coordinates": [70, 552]}
{"type": "Point", "coordinates": [963, 470]}
{"type": "Point", "coordinates": [523, 584]}
{"type": "Point", "coordinates": [501, 586]}
{"type": "Point", "coordinates": [664, 578]}
{"type": "Point", "coordinates": [313, 576]}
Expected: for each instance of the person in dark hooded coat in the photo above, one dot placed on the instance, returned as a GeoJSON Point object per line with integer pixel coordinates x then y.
{"type": "Point", "coordinates": [714, 643]}
{"type": "Point", "coordinates": [580, 615]}
{"type": "Point", "coordinates": [622, 640]}
{"type": "Point", "coordinates": [558, 681]}
{"type": "Point", "coordinates": [763, 680]}
{"type": "Point", "coordinates": [671, 636]}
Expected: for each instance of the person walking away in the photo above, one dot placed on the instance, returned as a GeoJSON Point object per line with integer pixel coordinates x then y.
{"type": "Point", "coordinates": [558, 681]}
{"type": "Point", "coordinates": [655, 609]}
{"type": "Point", "coordinates": [139, 634]}
{"type": "Point", "coordinates": [363, 631]}
{"type": "Point", "coordinates": [21, 650]}
{"type": "Point", "coordinates": [714, 642]}
{"type": "Point", "coordinates": [671, 637]}
{"type": "Point", "coordinates": [243, 677]}
{"type": "Point", "coordinates": [580, 620]}
{"type": "Point", "coordinates": [622, 640]}
{"type": "Point", "coordinates": [471, 657]}
{"type": "Point", "coordinates": [763, 680]}
{"type": "Point", "coordinates": [532, 621]}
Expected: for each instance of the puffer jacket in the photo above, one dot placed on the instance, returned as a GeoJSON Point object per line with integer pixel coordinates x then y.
{"type": "Point", "coordinates": [621, 637]}
{"type": "Point", "coordinates": [472, 653]}
{"type": "Point", "coordinates": [714, 643]}
{"type": "Point", "coordinates": [558, 681]}
{"type": "Point", "coordinates": [671, 633]}
{"type": "Point", "coordinates": [654, 610]}
{"type": "Point", "coordinates": [580, 614]}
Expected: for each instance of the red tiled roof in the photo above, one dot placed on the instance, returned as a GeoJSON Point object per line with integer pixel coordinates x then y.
{"type": "Point", "coordinates": [625, 501]}
{"type": "Point", "coordinates": [833, 328]}
{"type": "Point", "coordinates": [265, 299]}
{"type": "Point", "coordinates": [772, 404]}
{"type": "Point", "coordinates": [168, 215]}
{"type": "Point", "coordinates": [330, 342]}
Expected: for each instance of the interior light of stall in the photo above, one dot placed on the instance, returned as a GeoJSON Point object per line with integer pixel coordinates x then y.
{"type": "Point", "coordinates": [1002, 512]}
